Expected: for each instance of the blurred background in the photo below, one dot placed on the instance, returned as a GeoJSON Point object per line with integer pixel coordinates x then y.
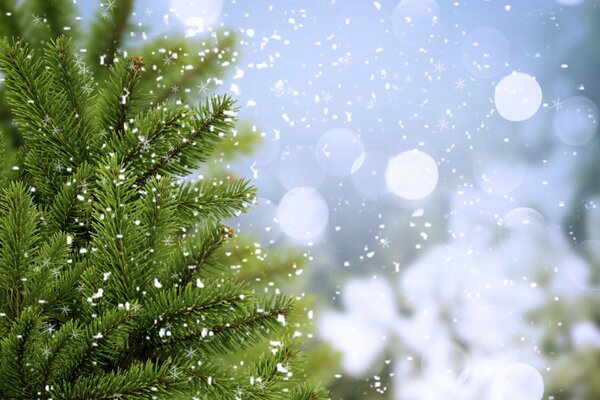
{"type": "Point", "coordinates": [434, 167]}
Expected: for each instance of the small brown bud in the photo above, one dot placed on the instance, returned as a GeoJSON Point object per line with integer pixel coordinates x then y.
{"type": "Point", "coordinates": [138, 62]}
{"type": "Point", "coordinates": [227, 231]}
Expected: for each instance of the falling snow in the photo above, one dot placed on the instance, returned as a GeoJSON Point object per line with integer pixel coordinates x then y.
{"type": "Point", "coordinates": [434, 162]}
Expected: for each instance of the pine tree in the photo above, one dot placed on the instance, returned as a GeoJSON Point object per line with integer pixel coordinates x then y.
{"type": "Point", "coordinates": [109, 283]}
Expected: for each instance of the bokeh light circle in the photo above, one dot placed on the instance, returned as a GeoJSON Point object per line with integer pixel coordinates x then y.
{"type": "Point", "coordinates": [339, 151]}
{"type": "Point", "coordinates": [518, 96]}
{"type": "Point", "coordinates": [302, 213]}
{"type": "Point", "coordinates": [414, 22]}
{"type": "Point", "coordinates": [369, 179]}
{"type": "Point", "coordinates": [485, 52]}
{"type": "Point", "coordinates": [412, 175]}
{"type": "Point", "coordinates": [576, 120]}
{"type": "Point", "coordinates": [296, 167]}
{"type": "Point", "coordinates": [517, 381]}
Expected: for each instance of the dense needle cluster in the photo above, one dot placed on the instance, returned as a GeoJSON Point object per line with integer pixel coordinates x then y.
{"type": "Point", "coordinates": [110, 284]}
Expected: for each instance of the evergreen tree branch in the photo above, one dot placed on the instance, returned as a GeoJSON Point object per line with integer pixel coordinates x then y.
{"type": "Point", "coordinates": [149, 130]}
{"type": "Point", "coordinates": [73, 82]}
{"type": "Point", "coordinates": [47, 264]}
{"type": "Point", "coordinates": [17, 354]}
{"type": "Point", "coordinates": [173, 305]}
{"type": "Point", "coordinates": [119, 98]}
{"type": "Point", "coordinates": [97, 293]}
{"type": "Point", "coordinates": [62, 297]}
{"type": "Point", "coordinates": [4, 160]}
{"type": "Point", "coordinates": [194, 251]}
{"type": "Point", "coordinates": [96, 344]}
{"type": "Point", "coordinates": [308, 391]}
{"type": "Point", "coordinates": [271, 370]}
{"type": "Point", "coordinates": [118, 240]}
{"type": "Point", "coordinates": [230, 335]}
{"type": "Point", "coordinates": [210, 382]}
{"type": "Point", "coordinates": [69, 205]}
{"type": "Point", "coordinates": [145, 380]}
{"type": "Point", "coordinates": [205, 200]}
{"type": "Point", "coordinates": [18, 236]}
{"type": "Point", "coordinates": [171, 308]}
{"type": "Point", "coordinates": [54, 345]}
{"type": "Point", "coordinates": [159, 218]}
{"type": "Point", "coordinates": [213, 120]}
{"type": "Point", "coordinates": [40, 174]}
{"type": "Point", "coordinates": [34, 109]}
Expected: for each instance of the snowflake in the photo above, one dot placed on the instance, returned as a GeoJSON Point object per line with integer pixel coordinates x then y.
{"type": "Point", "coordinates": [327, 97]}
{"type": "Point", "coordinates": [168, 60]}
{"type": "Point", "coordinates": [50, 329]}
{"type": "Point", "coordinates": [110, 5]}
{"type": "Point", "coordinates": [557, 104]}
{"type": "Point", "coordinates": [37, 20]}
{"type": "Point", "coordinates": [46, 351]}
{"type": "Point", "coordinates": [260, 385]}
{"type": "Point", "coordinates": [202, 87]}
{"type": "Point", "coordinates": [439, 67]}
{"type": "Point", "coordinates": [85, 69]}
{"type": "Point", "coordinates": [190, 352]}
{"type": "Point", "coordinates": [87, 88]}
{"type": "Point", "coordinates": [65, 310]}
{"type": "Point", "coordinates": [460, 83]}
{"type": "Point", "coordinates": [384, 242]}
{"type": "Point", "coordinates": [145, 143]}
{"type": "Point", "coordinates": [174, 374]}
{"type": "Point", "coordinates": [443, 124]}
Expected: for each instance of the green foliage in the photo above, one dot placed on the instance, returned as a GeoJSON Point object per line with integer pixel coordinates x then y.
{"type": "Point", "coordinates": [175, 64]}
{"type": "Point", "coordinates": [108, 285]}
